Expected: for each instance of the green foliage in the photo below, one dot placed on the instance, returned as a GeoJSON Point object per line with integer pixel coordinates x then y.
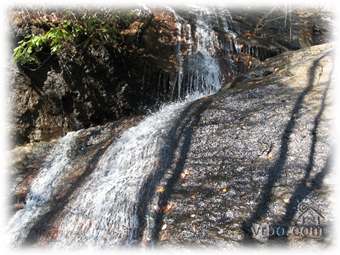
{"type": "Point", "coordinates": [26, 52]}
{"type": "Point", "coordinates": [23, 54]}
{"type": "Point", "coordinates": [74, 28]}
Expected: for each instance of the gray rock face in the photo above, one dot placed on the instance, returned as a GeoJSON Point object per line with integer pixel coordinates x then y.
{"type": "Point", "coordinates": [247, 165]}
{"type": "Point", "coordinates": [94, 83]}
{"type": "Point", "coordinates": [257, 162]}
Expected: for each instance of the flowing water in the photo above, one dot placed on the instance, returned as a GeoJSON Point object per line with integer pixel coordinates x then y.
{"type": "Point", "coordinates": [104, 211]}
{"type": "Point", "coordinates": [43, 189]}
{"type": "Point", "coordinates": [198, 71]}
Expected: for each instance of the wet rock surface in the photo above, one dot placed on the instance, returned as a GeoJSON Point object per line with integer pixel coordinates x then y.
{"type": "Point", "coordinates": [28, 160]}
{"type": "Point", "coordinates": [237, 167]}
{"type": "Point", "coordinates": [26, 163]}
{"type": "Point", "coordinates": [90, 84]}
{"type": "Point", "coordinates": [259, 157]}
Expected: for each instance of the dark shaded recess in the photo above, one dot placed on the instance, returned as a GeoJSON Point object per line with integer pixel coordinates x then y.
{"type": "Point", "coordinates": [39, 74]}
{"type": "Point", "coordinates": [91, 83]}
{"type": "Point", "coordinates": [67, 102]}
{"type": "Point", "coordinates": [90, 77]}
{"type": "Point", "coordinates": [276, 170]}
{"type": "Point", "coordinates": [27, 119]}
{"type": "Point", "coordinates": [110, 81]}
{"type": "Point", "coordinates": [177, 140]}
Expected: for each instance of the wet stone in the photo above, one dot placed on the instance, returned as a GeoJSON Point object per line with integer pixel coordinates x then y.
{"type": "Point", "coordinates": [269, 148]}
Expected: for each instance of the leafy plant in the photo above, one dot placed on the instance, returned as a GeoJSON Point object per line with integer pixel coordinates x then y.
{"type": "Point", "coordinates": [76, 28]}
{"type": "Point", "coordinates": [26, 52]}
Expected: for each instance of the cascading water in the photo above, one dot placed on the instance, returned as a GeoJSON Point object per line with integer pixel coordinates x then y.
{"type": "Point", "coordinates": [43, 189]}
{"type": "Point", "coordinates": [198, 71]}
{"type": "Point", "coordinates": [104, 211]}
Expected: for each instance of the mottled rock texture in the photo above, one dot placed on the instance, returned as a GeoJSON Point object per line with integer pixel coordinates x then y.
{"type": "Point", "coordinates": [90, 84]}
{"type": "Point", "coordinates": [259, 154]}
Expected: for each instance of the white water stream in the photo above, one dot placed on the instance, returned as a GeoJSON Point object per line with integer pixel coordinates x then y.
{"type": "Point", "coordinates": [104, 212]}
{"type": "Point", "coordinates": [43, 189]}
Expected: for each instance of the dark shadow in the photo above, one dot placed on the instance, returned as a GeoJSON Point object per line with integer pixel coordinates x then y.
{"type": "Point", "coordinates": [276, 170]}
{"type": "Point", "coordinates": [307, 185]}
{"type": "Point", "coordinates": [172, 157]}
{"type": "Point", "coordinates": [301, 192]}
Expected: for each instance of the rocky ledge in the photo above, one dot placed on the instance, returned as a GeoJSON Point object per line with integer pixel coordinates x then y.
{"type": "Point", "coordinates": [253, 167]}
{"type": "Point", "coordinates": [95, 82]}
{"type": "Point", "coordinates": [249, 164]}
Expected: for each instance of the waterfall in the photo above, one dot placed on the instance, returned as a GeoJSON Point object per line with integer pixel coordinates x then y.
{"type": "Point", "coordinates": [179, 56]}
{"type": "Point", "coordinates": [200, 66]}
{"type": "Point", "coordinates": [103, 213]}
{"type": "Point", "coordinates": [43, 189]}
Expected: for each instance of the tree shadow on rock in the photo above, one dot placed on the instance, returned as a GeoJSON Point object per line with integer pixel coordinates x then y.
{"type": "Point", "coordinates": [277, 169]}
{"type": "Point", "coordinates": [307, 184]}
{"type": "Point", "coordinates": [172, 159]}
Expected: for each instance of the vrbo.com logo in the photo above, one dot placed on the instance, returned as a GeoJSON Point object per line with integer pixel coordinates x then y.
{"type": "Point", "coordinates": [265, 231]}
{"type": "Point", "coordinates": [307, 224]}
